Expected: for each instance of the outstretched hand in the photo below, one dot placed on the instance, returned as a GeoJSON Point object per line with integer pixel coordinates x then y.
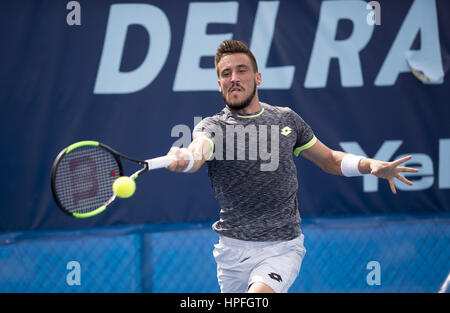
{"type": "Point", "coordinates": [391, 170]}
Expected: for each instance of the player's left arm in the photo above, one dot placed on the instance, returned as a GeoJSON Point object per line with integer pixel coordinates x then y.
{"type": "Point", "coordinates": [331, 160]}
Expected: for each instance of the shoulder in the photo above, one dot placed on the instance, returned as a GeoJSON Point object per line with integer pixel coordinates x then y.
{"type": "Point", "coordinates": [210, 121]}
{"type": "Point", "coordinates": [219, 116]}
{"type": "Point", "coordinates": [287, 115]}
{"type": "Point", "coordinates": [283, 112]}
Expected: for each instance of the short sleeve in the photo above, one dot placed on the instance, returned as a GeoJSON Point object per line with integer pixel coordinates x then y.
{"type": "Point", "coordinates": [305, 135]}
{"type": "Point", "coordinates": [206, 128]}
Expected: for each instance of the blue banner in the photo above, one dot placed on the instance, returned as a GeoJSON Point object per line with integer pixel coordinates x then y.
{"type": "Point", "coordinates": [369, 78]}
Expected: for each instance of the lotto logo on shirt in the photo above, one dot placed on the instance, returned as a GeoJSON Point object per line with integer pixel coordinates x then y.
{"type": "Point", "coordinates": [286, 131]}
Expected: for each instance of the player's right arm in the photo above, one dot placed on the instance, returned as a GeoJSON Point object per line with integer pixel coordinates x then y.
{"type": "Point", "coordinates": [200, 150]}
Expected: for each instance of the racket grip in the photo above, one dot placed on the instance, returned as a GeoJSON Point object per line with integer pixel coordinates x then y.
{"type": "Point", "coordinates": [160, 162]}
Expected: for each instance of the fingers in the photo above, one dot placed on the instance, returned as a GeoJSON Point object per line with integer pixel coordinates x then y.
{"type": "Point", "coordinates": [403, 170]}
{"type": "Point", "coordinates": [407, 169]}
{"type": "Point", "coordinates": [392, 185]}
{"type": "Point", "coordinates": [182, 159]}
{"type": "Point", "coordinates": [391, 170]}
{"type": "Point", "coordinates": [173, 166]}
{"type": "Point", "coordinates": [402, 160]}
{"type": "Point", "coordinates": [403, 179]}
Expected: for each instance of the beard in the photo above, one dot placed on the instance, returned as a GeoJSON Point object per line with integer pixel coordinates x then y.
{"type": "Point", "coordinates": [241, 105]}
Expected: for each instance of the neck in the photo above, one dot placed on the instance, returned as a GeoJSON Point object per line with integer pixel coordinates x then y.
{"type": "Point", "coordinates": [252, 108]}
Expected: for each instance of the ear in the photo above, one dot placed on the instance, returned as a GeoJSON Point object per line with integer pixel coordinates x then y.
{"type": "Point", "coordinates": [220, 86]}
{"type": "Point", "coordinates": [258, 79]}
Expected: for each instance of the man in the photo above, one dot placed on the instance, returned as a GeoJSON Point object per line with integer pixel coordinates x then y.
{"type": "Point", "coordinates": [261, 243]}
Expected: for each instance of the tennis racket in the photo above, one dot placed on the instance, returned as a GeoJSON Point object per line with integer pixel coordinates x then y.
{"type": "Point", "coordinates": [84, 172]}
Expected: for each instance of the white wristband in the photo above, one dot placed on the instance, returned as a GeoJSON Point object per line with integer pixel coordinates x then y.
{"type": "Point", "coordinates": [350, 165]}
{"type": "Point", "coordinates": [191, 162]}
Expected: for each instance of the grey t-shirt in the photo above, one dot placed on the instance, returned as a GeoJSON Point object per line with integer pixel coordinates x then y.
{"type": "Point", "coordinates": [252, 171]}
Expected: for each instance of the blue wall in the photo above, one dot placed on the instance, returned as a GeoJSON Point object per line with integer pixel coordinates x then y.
{"type": "Point", "coordinates": [412, 252]}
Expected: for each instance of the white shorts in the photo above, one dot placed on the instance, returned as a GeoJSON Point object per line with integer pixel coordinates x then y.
{"type": "Point", "coordinates": [242, 263]}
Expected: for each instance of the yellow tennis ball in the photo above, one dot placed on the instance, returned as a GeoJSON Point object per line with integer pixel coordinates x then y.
{"type": "Point", "coordinates": [124, 187]}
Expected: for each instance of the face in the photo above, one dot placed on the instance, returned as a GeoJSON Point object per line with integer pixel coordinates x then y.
{"type": "Point", "coordinates": [237, 80]}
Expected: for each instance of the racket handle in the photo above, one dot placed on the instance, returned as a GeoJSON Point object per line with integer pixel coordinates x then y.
{"type": "Point", "coordinates": [160, 162]}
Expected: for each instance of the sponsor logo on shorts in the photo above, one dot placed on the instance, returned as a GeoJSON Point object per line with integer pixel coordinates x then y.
{"type": "Point", "coordinates": [276, 277]}
{"type": "Point", "coordinates": [245, 259]}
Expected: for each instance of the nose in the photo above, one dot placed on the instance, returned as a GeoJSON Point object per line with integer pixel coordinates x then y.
{"type": "Point", "coordinates": [235, 77]}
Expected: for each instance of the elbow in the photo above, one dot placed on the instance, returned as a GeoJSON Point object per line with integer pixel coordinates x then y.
{"type": "Point", "coordinates": [332, 165]}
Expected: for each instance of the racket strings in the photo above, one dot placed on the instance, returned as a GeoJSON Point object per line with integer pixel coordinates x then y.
{"type": "Point", "coordinates": [84, 179]}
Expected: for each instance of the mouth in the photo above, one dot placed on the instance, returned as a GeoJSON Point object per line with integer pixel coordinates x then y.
{"type": "Point", "coordinates": [235, 89]}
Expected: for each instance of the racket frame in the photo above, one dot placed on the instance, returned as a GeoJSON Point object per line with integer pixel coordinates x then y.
{"type": "Point", "coordinates": [117, 156]}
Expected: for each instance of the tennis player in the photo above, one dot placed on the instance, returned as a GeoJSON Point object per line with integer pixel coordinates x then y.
{"type": "Point", "coordinates": [260, 247]}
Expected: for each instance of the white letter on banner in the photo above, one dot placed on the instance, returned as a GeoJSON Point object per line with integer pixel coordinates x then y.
{"type": "Point", "coordinates": [374, 276]}
{"type": "Point", "coordinates": [198, 43]}
{"type": "Point", "coordinates": [74, 16]}
{"type": "Point", "coordinates": [74, 276]}
{"type": "Point", "coordinates": [346, 51]}
{"type": "Point", "coordinates": [262, 36]}
{"type": "Point", "coordinates": [444, 163]}
{"type": "Point", "coordinates": [109, 78]}
{"type": "Point", "coordinates": [422, 17]}
{"type": "Point", "coordinates": [374, 16]}
{"type": "Point", "coordinates": [385, 153]}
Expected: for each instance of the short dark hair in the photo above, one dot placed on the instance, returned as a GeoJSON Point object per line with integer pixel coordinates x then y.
{"type": "Point", "coordinates": [234, 46]}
